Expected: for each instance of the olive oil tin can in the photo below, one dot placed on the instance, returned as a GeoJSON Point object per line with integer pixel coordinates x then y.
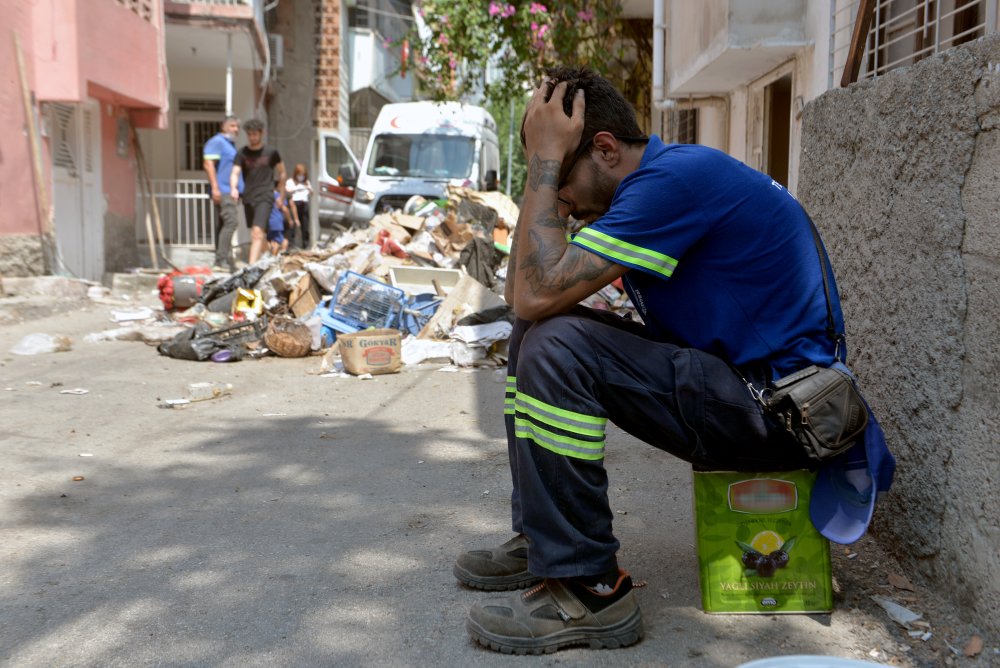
{"type": "Point", "coordinates": [758, 551]}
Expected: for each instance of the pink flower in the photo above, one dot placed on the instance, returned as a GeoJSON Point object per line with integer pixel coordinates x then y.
{"type": "Point", "coordinates": [495, 9]}
{"type": "Point", "coordinates": [509, 11]}
{"type": "Point", "coordinates": [442, 39]}
{"type": "Point", "coordinates": [452, 63]}
{"type": "Point", "coordinates": [537, 8]}
{"type": "Point", "coordinates": [585, 15]}
{"type": "Point", "coordinates": [542, 30]}
{"type": "Point", "coordinates": [534, 27]}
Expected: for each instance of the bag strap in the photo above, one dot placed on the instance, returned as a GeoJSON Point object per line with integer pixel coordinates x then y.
{"type": "Point", "coordinates": [831, 326]}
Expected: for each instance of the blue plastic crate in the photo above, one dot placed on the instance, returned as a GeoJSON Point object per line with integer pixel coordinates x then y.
{"type": "Point", "coordinates": [360, 302]}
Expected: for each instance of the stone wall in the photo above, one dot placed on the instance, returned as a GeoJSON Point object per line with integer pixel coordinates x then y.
{"type": "Point", "coordinates": [21, 255]}
{"type": "Point", "coordinates": [901, 176]}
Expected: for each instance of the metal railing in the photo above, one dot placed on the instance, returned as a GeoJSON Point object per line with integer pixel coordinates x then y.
{"type": "Point", "coordinates": [905, 31]}
{"type": "Point", "coordinates": [187, 214]}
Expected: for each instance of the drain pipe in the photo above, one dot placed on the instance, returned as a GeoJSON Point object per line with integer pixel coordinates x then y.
{"type": "Point", "coordinates": [663, 103]}
{"type": "Point", "coordinates": [659, 30]}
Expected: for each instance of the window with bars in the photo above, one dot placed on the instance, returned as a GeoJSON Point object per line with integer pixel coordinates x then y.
{"type": "Point", "coordinates": [194, 134]}
{"type": "Point", "coordinates": [904, 32]}
{"type": "Point", "coordinates": [680, 126]}
{"type": "Point", "coordinates": [198, 120]}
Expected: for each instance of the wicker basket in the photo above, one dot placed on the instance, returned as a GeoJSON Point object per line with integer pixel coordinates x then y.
{"type": "Point", "coordinates": [288, 337]}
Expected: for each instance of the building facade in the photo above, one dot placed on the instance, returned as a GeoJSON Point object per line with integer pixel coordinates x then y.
{"type": "Point", "coordinates": [736, 74]}
{"type": "Point", "coordinates": [69, 107]}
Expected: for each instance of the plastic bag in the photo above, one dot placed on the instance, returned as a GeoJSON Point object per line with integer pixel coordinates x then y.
{"type": "Point", "coordinates": [39, 344]}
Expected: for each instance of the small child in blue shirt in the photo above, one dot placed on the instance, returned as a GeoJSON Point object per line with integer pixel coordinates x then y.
{"type": "Point", "coordinates": [277, 223]}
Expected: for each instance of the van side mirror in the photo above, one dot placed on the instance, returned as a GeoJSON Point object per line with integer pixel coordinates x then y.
{"type": "Point", "coordinates": [348, 175]}
{"type": "Point", "coordinates": [491, 180]}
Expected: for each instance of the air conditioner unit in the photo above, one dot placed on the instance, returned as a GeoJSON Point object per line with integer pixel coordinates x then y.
{"type": "Point", "coordinates": [277, 45]}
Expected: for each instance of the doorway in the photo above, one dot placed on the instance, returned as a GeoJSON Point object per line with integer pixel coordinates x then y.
{"type": "Point", "coordinates": [778, 128]}
{"type": "Point", "coordinates": [78, 201]}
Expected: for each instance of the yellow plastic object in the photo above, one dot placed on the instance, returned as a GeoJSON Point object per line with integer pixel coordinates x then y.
{"type": "Point", "coordinates": [248, 301]}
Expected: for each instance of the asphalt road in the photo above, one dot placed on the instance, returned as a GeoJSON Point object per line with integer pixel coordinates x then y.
{"type": "Point", "coordinates": [305, 520]}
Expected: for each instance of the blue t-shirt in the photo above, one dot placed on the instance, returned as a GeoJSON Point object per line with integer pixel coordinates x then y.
{"type": "Point", "coordinates": [722, 259]}
{"type": "Point", "coordinates": [223, 151]}
{"type": "Point", "coordinates": [276, 221]}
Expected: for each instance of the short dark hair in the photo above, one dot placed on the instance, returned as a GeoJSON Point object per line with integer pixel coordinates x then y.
{"type": "Point", "coordinates": [607, 109]}
{"type": "Point", "coordinates": [253, 125]}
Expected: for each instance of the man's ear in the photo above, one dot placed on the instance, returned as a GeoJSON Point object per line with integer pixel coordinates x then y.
{"type": "Point", "coordinates": [607, 148]}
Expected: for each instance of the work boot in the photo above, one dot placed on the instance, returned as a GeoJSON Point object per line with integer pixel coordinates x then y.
{"type": "Point", "coordinates": [499, 569]}
{"type": "Point", "coordinates": [559, 613]}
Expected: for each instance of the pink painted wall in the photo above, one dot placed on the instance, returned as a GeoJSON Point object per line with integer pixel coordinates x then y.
{"type": "Point", "coordinates": [17, 185]}
{"type": "Point", "coordinates": [75, 50]}
{"type": "Point", "coordinates": [119, 174]}
{"type": "Point", "coordinates": [84, 46]}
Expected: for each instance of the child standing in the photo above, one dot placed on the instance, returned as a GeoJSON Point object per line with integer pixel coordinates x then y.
{"type": "Point", "coordinates": [277, 222]}
{"type": "Point", "coordinates": [300, 190]}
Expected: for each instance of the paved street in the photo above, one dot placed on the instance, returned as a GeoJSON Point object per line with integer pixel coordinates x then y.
{"type": "Point", "coordinates": [305, 520]}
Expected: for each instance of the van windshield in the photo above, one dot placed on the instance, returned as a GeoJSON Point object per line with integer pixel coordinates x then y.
{"type": "Point", "coordinates": [427, 156]}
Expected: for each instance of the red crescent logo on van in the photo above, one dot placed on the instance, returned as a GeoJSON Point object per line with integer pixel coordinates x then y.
{"type": "Point", "coordinates": [393, 122]}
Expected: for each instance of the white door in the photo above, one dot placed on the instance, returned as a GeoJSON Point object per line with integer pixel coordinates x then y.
{"type": "Point", "coordinates": [77, 194]}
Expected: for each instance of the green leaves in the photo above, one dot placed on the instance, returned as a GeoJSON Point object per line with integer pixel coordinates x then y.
{"type": "Point", "coordinates": [514, 42]}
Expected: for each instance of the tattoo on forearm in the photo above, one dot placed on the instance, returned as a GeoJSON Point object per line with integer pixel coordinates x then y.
{"type": "Point", "coordinates": [555, 267]}
{"type": "Point", "coordinates": [543, 173]}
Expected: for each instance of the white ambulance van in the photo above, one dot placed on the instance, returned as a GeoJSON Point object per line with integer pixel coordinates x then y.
{"type": "Point", "coordinates": [419, 148]}
{"type": "Point", "coordinates": [335, 172]}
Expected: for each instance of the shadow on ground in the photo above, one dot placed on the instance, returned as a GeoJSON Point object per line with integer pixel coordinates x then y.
{"type": "Point", "coordinates": [232, 533]}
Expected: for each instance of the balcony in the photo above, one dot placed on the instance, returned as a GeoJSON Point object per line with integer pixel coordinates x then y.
{"type": "Point", "coordinates": [717, 45]}
{"type": "Point", "coordinates": [197, 32]}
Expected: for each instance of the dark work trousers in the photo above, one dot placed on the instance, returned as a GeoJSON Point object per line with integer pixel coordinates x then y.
{"type": "Point", "coordinates": [568, 376]}
{"type": "Point", "coordinates": [227, 220]}
{"type": "Point", "coordinates": [302, 238]}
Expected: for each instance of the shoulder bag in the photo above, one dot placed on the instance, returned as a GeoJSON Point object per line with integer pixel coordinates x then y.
{"type": "Point", "coordinates": [820, 407]}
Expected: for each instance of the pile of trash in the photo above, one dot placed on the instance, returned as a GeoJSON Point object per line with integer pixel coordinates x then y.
{"type": "Point", "coordinates": [418, 284]}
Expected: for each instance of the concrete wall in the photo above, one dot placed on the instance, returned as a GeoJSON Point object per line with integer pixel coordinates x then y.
{"type": "Point", "coordinates": [900, 175]}
{"type": "Point", "coordinates": [290, 110]}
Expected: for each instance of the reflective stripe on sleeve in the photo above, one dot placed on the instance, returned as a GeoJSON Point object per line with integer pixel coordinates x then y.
{"type": "Point", "coordinates": [626, 252]}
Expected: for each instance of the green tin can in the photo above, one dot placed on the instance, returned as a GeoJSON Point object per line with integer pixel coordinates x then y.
{"type": "Point", "coordinates": [758, 551]}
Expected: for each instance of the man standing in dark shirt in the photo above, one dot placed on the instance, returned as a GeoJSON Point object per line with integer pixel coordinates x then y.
{"type": "Point", "coordinates": [261, 167]}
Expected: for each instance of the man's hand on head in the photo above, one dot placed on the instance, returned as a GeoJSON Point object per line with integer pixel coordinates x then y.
{"type": "Point", "coordinates": [548, 132]}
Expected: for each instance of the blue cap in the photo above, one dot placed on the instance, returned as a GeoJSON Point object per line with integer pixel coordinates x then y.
{"type": "Point", "coordinates": [843, 498]}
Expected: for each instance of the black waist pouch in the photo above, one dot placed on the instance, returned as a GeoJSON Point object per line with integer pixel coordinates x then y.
{"type": "Point", "coordinates": [821, 408]}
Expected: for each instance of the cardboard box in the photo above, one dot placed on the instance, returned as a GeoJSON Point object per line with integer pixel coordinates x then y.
{"type": "Point", "coordinates": [758, 551]}
{"type": "Point", "coordinates": [373, 351]}
{"type": "Point", "coordinates": [305, 296]}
